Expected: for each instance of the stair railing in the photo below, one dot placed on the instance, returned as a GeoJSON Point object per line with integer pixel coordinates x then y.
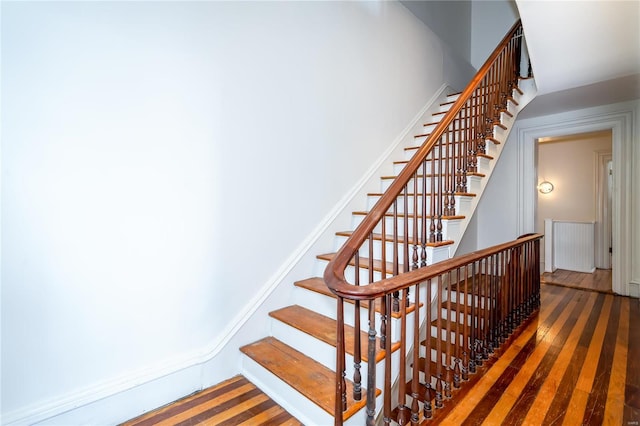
{"type": "Point", "coordinates": [387, 253]}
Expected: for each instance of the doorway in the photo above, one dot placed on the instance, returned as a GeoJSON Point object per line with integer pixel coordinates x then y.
{"type": "Point", "coordinates": [577, 167]}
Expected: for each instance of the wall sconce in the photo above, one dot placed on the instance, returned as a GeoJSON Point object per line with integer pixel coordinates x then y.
{"type": "Point", "coordinates": [545, 187]}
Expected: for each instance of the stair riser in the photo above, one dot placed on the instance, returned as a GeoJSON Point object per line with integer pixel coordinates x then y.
{"type": "Point", "coordinates": [450, 227]}
{"type": "Point", "coordinates": [473, 184]}
{"type": "Point", "coordinates": [422, 169]}
{"type": "Point", "coordinates": [327, 306]}
{"type": "Point", "coordinates": [289, 398]}
{"type": "Point", "coordinates": [411, 203]}
{"type": "Point", "coordinates": [326, 354]}
{"type": "Point", "coordinates": [483, 163]}
{"type": "Point", "coordinates": [322, 352]}
{"type": "Point", "coordinates": [433, 253]}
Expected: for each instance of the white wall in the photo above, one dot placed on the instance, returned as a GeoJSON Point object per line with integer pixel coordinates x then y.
{"type": "Point", "coordinates": [450, 20]}
{"type": "Point", "coordinates": [491, 19]}
{"type": "Point", "coordinates": [160, 163]}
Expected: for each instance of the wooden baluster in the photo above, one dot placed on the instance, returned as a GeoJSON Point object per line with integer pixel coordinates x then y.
{"type": "Point", "coordinates": [521, 265]}
{"type": "Point", "coordinates": [357, 356]}
{"type": "Point", "coordinates": [448, 345]}
{"type": "Point", "coordinates": [465, 325]}
{"type": "Point", "coordinates": [341, 384]}
{"type": "Point", "coordinates": [371, 365]}
{"type": "Point", "coordinates": [473, 150]}
{"type": "Point", "coordinates": [403, 416]}
{"type": "Point", "coordinates": [460, 155]}
{"type": "Point", "coordinates": [383, 247]}
{"type": "Point", "coordinates": [423, 215]}
{"type": "Point", "coordinates": [514, 277]}
{"type": "Point", "coordinates": [432, 200]}
{"type": "Point", "coordinates": [396, 294]}
{"type": "Point", "coordinates": [480, 105]}
{"type": "Point", "coordinates": [495, 282]}
{"type": "Point", "coordinates": [487, 309]}
{"type": "Point", "coordinates": [387, 369]}
{"type": "Point", "coordinates": [446, 169]}
{"type": "Point", "coordinates": [499, 290]}
{"type": "Point", "coordinates": [440, 182]}
{"type": "Point", "coordinates": [439, 360]}
{"type": "Point", "coordinates": [491, 331]}
{"type": "Point", "coordinates": [406, 267]}
{"type": "Point", "coordinates": [507, 289]}
{"type": "Point", "coordinates": [416, 217]}
{"type": "Point", "coordinates": [480, 355]}
{"type": "Point", "coordinates": [473, 321]}
{"type": "Point", "coordinates": [415, 373]}
{"type": "Point", "coordinates": [479, 316]}
{"type": "Point", "coordinates": [458, 332]}
{"type": "Point", "coordinates": [427, 408]}
{"type": "Point", "coordinates": [517, 316]}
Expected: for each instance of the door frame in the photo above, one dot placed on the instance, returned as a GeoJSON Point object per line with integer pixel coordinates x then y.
{"type": "Point", "coordinates": [620, 119]}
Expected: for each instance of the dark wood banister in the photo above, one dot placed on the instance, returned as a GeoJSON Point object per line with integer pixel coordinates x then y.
{"type": "Point", "coordinates": [334, 273]}
{"type": "Point", "coordinates": [402, 281]}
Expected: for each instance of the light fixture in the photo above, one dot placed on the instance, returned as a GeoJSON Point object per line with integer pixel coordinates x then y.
{"type": "Point", "coordinates": [545, 187]}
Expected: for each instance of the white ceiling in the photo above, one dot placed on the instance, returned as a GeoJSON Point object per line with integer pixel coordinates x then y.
{"type": "Point", "coordinates": [583, 53]}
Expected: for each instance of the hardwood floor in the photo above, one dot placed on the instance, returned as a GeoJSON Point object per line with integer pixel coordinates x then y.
{"type": "Point", "coordinates": [600, 280]}
{"type": "Point", "coordinates": [574, 363]}
{"type": "Point", "coordinates": [233, 402]}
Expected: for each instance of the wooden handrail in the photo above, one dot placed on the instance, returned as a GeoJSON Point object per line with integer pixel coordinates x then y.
{"type": "Point", "coordinates": [334, 273]}
{"type": "Point", "coordinates": [402, 281]}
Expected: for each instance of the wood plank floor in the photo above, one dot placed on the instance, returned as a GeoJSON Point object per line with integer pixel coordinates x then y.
{"type": "Point", "coordinates": [233, 402]}
{"type": "Point", "coordinates": [576, 363]}
{"type": "Point", "coordinates": [600, 280]}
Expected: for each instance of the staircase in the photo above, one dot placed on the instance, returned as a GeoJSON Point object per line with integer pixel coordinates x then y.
{"type": "Point", "coordinates": [454, 317]}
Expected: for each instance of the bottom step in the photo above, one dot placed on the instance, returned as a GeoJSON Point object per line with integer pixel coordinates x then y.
{"type": "Point", "coordinates": [305, 375]}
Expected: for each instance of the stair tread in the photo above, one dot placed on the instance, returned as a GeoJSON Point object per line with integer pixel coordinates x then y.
{"type": "Point", "coordinates": [313, 380]}
{"type": "Point", "coordinates": [464, 194]}
{"type": "Point", "coordinates": [317, 284]}
{"type": "Point", "coordinates": [364, 263]}
{"type": "Point", "coordinates": [429, 159]}
{"type": "Point", "coordinates": [324, 328]}
{"type": "Point", "coordinates": [491, 139]}
{"type": "Point", "coordinates": [436, 174]}
{"type": "Point", "coordinates": [378, 237]}
{"type": "Point", "coordinates": [364, 213]}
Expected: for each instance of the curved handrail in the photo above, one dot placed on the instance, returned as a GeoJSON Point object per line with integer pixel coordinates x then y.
{"type": "Point", "coordinates": [334, 275]}
{"type": "Point", "coordinates": [399, 282]}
